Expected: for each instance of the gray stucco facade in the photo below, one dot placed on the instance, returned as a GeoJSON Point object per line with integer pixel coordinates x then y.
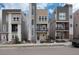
{"type": "Point", "coordinates": [13, 24]}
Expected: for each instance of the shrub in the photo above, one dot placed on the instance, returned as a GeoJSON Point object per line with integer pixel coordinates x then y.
{"type": "Point", "coordinates": [15, 41]}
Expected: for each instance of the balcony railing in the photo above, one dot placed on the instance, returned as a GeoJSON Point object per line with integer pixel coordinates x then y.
{"type": "Point", "coordinates": [42, 30]}
{"type": "Point", "coordinates": [62, 28]}
{"type": "Point", "coordinates": [15, 22]}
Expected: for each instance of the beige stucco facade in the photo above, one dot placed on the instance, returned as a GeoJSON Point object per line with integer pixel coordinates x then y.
{"type": "Point", "coordinates": [38, 24]}
{"type": "Point", "coordinates": [42, 24]}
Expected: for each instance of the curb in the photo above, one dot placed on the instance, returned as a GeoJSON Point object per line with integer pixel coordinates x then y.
{"type": "Point", "coordinates": [35, 45]}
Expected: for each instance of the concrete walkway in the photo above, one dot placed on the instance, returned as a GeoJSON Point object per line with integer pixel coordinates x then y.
{"type": "Point", "coordinates": [35, 45]}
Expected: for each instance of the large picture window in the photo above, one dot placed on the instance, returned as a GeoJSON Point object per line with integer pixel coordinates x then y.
{"type": "Point", "coordinates": [14, 27]}
{"type": "Point", "coordinates": [62, 16]}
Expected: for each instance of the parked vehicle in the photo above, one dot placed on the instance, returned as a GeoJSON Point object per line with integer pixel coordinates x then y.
{"type": "Point", "coordinates": [75, 42]}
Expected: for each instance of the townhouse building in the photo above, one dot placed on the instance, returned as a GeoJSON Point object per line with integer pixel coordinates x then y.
{"type": "Point", "coordinates": [38, 23]}
{"type": "Point", "coordinates": [13, 25]}
{"type": "Point", "coordinates": [62, 23]}
{"type": "Point", "coordinates": [76, 24]}
{"type": "Point", "coordinates": [42, 25]}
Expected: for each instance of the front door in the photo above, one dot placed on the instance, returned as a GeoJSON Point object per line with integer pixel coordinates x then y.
{"type": "Point", "coordinates": [38, 38]}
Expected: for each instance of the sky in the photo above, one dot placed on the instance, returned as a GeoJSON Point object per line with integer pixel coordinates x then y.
{"type": "Point", "coordinates": [25, 6]}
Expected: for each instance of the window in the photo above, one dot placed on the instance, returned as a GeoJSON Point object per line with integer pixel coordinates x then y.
{"type": "Point", "coordinates": [14, 18]}
{"type": "Point", "coordinates": [32, 31]}
{"type": "Point", "coordinates": [62, 16]}
{"type": "Point", "coordinates": [39, 18]}
{"type": "Point", "coordinates": [42, 18]}
{"type": "Point", "coordinates": [43, 28]}
{"type": "Point", "coordinates": [33, 9]}
{"type": "Point", "coordinates": [14, 27]}
{"type": "Point", "coordinates": [32, 21]}
{"type": "Point", "coordinates": [4, 37]}
{"type": "Point", "coordinates": [17, 18]}
{"type": "Point", "coordinates": [45, 18]}
{"type": "Point", "coordinates": [71, 16]}
{"type": "Point", "coordinates": [70, 25]}
{"type": "Point", "coordinates": [76, 25]}
{"type": "Point", "coordinates": [60, 26]}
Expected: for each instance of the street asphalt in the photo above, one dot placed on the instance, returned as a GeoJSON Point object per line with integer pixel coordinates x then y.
{"type": "Point", "coordinates": [56, 50]}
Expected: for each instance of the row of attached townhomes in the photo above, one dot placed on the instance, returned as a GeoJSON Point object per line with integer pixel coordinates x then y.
{"type": "Point", "coordinates": [32, 27]}
{"type": "Point", "coordinates": [36, 26]}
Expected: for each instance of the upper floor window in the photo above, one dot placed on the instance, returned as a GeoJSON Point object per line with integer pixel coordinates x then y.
{"type": "Point", "coordinates": [45, 18]}
{"type": "Point", "coordinates": [76, 25]}
{"type": "Point", "coordinates": [14, 27]}
{"type": "Point", "coordinates": [71, 16]}
{"type": "Point", "coordinates": [70, 25]}
{"type": "Point", "coordinates": [33, 9]}
{"type": "Point", "coordinates": [39, 18]}
{"type": "Point", "coordinates": [32, 21]}
{"type": "Point", "coordinates": [42, 18]}
{"type": "Point", "coordinates": [62, 16]}
{"type": "Point", "coordinates": [15, 18]}
{"type": "Point", "coordinates": [32, 31]}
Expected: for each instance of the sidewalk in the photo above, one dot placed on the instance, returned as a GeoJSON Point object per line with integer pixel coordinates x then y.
{"type": "Point", "coordinates": [36, 45]}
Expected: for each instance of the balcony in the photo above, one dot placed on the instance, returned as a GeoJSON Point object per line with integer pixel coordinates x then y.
{"type": "Point", "coordinates": [60, 28]}
{"type": "Point", "coordinates": [15, 22]}
{"type": "Point", "coordinates": [42, 30]}
{"type": "Point", "coordinates": [62, 35]}
{"type": "Point", "coordinates": [62, 21]}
